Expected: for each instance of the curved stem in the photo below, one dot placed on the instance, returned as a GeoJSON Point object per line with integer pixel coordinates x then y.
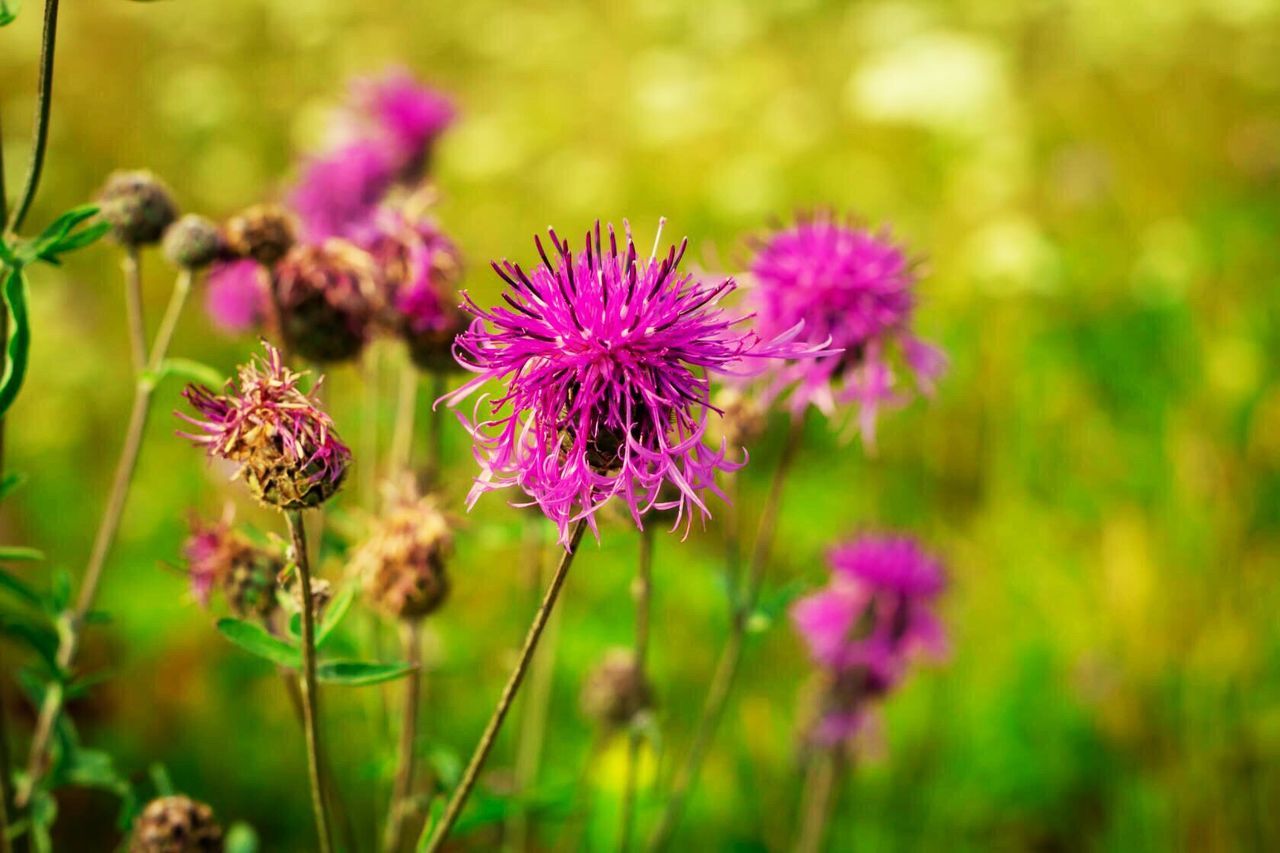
{"type": "Point", "coordinates": [108, 527]}
{"type": "Point", "coordinates": [310, 694]}
{"type": "Point", "coordinates": [459, 799]}
{"type": "Point", "coordinates": [403, 786]}
{"type": "Point", "coordinates": [819, 795]}
{"type": "Point", "coordinates": [643, 592]}
{"type": "Point", "coordinates": [731, 655]}
{"type": "Point", "coordinates": [44, 101]}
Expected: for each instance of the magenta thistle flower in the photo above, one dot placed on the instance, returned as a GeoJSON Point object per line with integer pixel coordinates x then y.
{"type": "Point", "coordinates": [208, 554]}
{"type": "Point", "coordinates": [338, 193]}
{"type": "Point", "coordinates": [290, 456]}
{"type": "Point", "coordinates": [856, 287]}
{"type": "Point", "coordinates": [419, 268]}
{"type": "Point", "coordinates": [235, 296]}
{"type": "Point", "coordinates": [607, 361]}
{"type": "Point", "coordinates": [408, 115]}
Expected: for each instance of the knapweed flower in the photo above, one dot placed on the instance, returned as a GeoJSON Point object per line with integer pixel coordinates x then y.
{"type": "Point", "coordinates": [607, 361]}
{"type": "Point", "coordinates": [235, 295]}
{"type": "Point", "coordinates": [290, 457]}
{"type": "Point", "coordinates": [851, 285]}
{"type": "Point", "coordinates": [193, 242]}
{"type": "Point", "coordinates": [139, 207]}
{"type": "Point", "coordinates": [176, 824]}
{"type": "Point", "coordinates": [872, 619]}
{"type": "Point", "coordinates": [328, 299]}
{"type": "Point", "coordinates": [264, 232]}
{"type": "Point", "coordinates": [219, 557]}
{"type": "Point", "coordinates": [409, 116]}
{"type": "Point", "coordinates": [402, 563]}
{"type": "Point", "coordinates": [338, 193]}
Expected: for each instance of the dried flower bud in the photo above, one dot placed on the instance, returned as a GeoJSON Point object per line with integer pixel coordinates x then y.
{"type": "Point", "coordinates": [327, 300]}
{"type": "Point", "coordinates": [138, 205]}
{"type": "Point", "coordinates": [289, 453]}
{"type": "Point", "coordinates": [176, 825]}
{"type": "Point", "coordinates": [217, 556]}
{"type": "Point", "coordinates": [616, 691]}
{"type": "Point", "coordinates": [402, 563]}
{"type": "Point", "coordinates": [264, 232]}
{"type": "Point", "coordinates": [193, 242]}
{"type": "Point", "coordinates": [321, 595]}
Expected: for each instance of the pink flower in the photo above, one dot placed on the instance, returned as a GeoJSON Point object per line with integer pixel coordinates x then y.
{"type": "Point", "coordinates": [234, 296]}
{"type": "Point", "coordinates": [339, 192]}
{"type": "Point", "coordinates": [408, 115]}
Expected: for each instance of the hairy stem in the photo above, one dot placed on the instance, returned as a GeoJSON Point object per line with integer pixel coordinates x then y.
{"type": "Point", "coordinates": [819, 795]}
{"type": "Point", "coordinates": [459, 799]}
{"type": "Point", "coordinates": [731, 655]}
{"type": "Point", "coordinates": [643, 592]}
{"type": "Point", "coordinates": [108, 527]}
{"type": "Point", "coordinates": [402, 790]}
{"type": "Point", "coordinates": [44, 101]}
{"type": "Point", "coordinates": [310, 694]}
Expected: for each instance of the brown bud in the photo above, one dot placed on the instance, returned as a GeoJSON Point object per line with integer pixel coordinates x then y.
{"type": "Point", "coordinates": [138, 205]}
{"type": "Point", "coordinates": [328, 300]}
{"type": "Point", "coordinates": [264, 232]}
{"type": "Point", "coordinates": [402, 563]}
{"type": "Point", "coordinates": [176, 825]}
{"type": "Point", "coordinates": [616, 691]}
{"type": "Point", "coordinates": [432, 350]}
{"type": "Point", "coordinates": [193, 242]}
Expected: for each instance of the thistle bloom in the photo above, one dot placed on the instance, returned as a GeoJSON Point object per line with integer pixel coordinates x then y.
{"type": "Point", "coordinates": [607, 361]}
{"type": "Point", "coordinates": [410, 117]}
{"type": "Point", "coordinates": [235, 296]}
{"type": "Point", "coordinates": [872, 619]}
{"type": "Point", "coordinates": [338, 192]}
{"type": "Point", "coordinates": [290, 457]}
{"type": "Point", "coordinates": [854, 286]}
{"type": "Point", "coordinates": [328, 299]}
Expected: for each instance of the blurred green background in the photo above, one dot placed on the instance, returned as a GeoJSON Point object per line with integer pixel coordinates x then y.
{"type": "Point", "coordinates": [1094, 187]}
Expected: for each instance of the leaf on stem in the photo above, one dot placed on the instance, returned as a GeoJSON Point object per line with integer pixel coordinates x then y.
{"type": "Point", "coordinates": [9, 11]}
{"type": "Point", "coordinates": [360, 673]}
{"type": "Point", "coordinates": [255, 640]}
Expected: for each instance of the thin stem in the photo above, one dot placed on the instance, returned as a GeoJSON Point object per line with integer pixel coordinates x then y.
{"type": "Point", "coordinates": [371, 367]}
{"type": "Point", "coordinates": [403, 788]}
{"type": "Point", "coordinates": [819, 790]}
{"type": "Point", "coordinates": [731, 655]}
{"type": "Point", "coordinates": [4, 192]}
{"type": "Point", "coordinates": [643, 592]}
{"type": "Point", "coordinates": [6, 777]}
{"type": "Point", "coordinates": [44, 101]}
{"type": "Point", "coordinates": [733, 541]}
{"type": "Point", "coordinates": [108, 527]}
{"type": "Point", "coordinates": [310, 694]}
{"type": "Point", "coordinates": [490, 736]}
{"type": "Point", "coordinates": [406, 412]}
{"type": "Point", "coordinates": [133, 308]}
{"type": "Point", "coordinates": [435, 433]}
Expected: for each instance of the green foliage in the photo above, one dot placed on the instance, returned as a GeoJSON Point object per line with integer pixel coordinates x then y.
{"type": "Point", "coordinates": [253, 638]}
{"type": "Point", "coordinates": [9, 11]}
{"type": "Point", "coordinates": [360, 673]}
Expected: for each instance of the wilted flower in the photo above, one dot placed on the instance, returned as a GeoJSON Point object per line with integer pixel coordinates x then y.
{"type": "Point", "coordinates": [327, 298]}
{"type": "Point", "coordinates": [264, 232]}
{"type": "Point", "coordinates": [138, 205]}
{"type": "Point", "coordinates": [616, 690]}
{"type": "Point", "coordinates": [406, 114]}
{"type": "Point", "coordinates": [872, 619]}
{"type": "Point", "coordinates": [235, 295]}
{"type": "Point", "coordinates": [193, 242]}
{"type": "Point", "coordinates": [607, 361]}
{"type": "Point", "coordinates": [289, 454]}
{"type": "Point", "coordinates": [218, 556]}
{"type": "Point", "coordinates": [402, 563]}
{"type": "Point", "coordinates": [176, 825]}
{"type": "Point", "coordinates": [854, 286]}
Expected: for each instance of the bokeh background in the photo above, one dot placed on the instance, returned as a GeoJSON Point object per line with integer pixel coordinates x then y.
{"type": "Point", "coordinates": [1093, 188]}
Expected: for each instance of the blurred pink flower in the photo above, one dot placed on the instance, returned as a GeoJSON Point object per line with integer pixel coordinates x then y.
{"type": "Point", "coordinates": [234, 296]}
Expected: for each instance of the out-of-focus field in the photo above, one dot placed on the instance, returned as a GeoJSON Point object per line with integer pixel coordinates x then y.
{"type": "Point", "coordinates": [1094, 189]}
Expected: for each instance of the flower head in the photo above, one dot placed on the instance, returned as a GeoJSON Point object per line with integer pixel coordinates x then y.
{"type": "Point", "coordinates": [328, 299]}
{"type": "Point", "coordinates": [235, 295]}
{"type": "Point", "coordinates": [402, 563]}
{"type": "Point", "coordinates": [218, 556]}
{"type": "Point", "coordinates": [406, 114]}
{"type": "Point", "coordinates": [854, 286]}
{"type": "Point", "coordinates": [289, 454]}
{"type": "Point", "coordinates": [607, 361]}
{"type": "Point", "coordinates": [175, 824]}
{"type": "Point", "coordinates": [616, 690]}
{"type": "Point", "coordinates": [138, 205]}
{"type": "Point", "coordinates": [338, 192]}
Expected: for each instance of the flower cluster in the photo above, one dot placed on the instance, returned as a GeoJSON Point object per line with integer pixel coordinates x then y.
{"type": "Point", "coordinates": [871, 620]}
{"type": "Point", "coordinates": [855, 287]}
{"type": "Point", "coordinates": [290, 456]}
{"type": "Point", "coordinates": [607, 361]}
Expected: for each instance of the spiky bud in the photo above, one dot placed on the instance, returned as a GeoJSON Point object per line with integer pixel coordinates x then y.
{"type": "Point", "coordinates": [193, 242]}
{"type": "Point", "coordinates": [264, 232]}
{"type": "Point", "coordinates": [327, 300]}
{"type": "Point", "coordinates": [176, 825]}
{"type": "Point", "coordinates": [402, 563]}
{"type": "Point", "coordinates": [616, 690]}
{"type": "Point", "coordinates": [138, 205]}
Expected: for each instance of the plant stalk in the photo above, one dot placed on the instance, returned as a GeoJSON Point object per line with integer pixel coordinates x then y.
{"type": "Point", "coordinates": [643, 593]}
{"type": "Point", "coordinates": [459, 799]}
{"type": "Point", "coordinates": [402, 790]}
{"type": "Point", "coordinates": [44, 102]}
{"type": "Point", "coordinates": [435, 433]}
{"type": "Point", "coordinates": [731, 655]}
{"type": "Point", "coordinates": [406, 414]}
{"type": "Point", "coordinates": [108, 527]}
{"type": "Point", "coordinates": [819, 795]}
{"type": "Point", "coordinates": [310, 693]}
{"type": "Point", "coordinates": [133, 308]}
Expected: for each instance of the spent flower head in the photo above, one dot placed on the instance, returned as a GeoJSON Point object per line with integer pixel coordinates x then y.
{"type": "Point", "coordinates": [289, 455]}
{"type": "Point", "coordinates": [328, 299]}
{"type": "Point", "coordinates": [855, 287]}
{"type": "Point", "coordinates": [607, 360]}
{"type": "Point", "coordinates": [402, 562]}
{"type": "Point", "coordinates": [218, 556]}
{"type": "Point", "coordinates": [138, 205]}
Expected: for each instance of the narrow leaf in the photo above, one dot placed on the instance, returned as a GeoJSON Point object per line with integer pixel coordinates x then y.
{"type": "Point", "coordinates": [9, 11]}
{"type": "Point", "coordinates": [333, 614]}
{"type": "Point", "coordinates": [84, 237]}
{"type": "Point", "coordinates": [19, 554]}
{"type": "Point", "coordinates": [255, 640]}
{"type": "Point", "coordinates": [185, 368]}
{"type": "Point", "coordinates": [15, 366]}
{"type": "Point", "coordinates": [360, 673]}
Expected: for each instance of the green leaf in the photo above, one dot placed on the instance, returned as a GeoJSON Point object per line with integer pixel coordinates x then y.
{"type": "Point", "coordinates": [241, 838]}
{"type": "Point", "coordinates": [91, 768]}
{"type": "Point", "coordinates": [15, 366]}
{"type": "Point", "coordinates": [9, 11]}
{"type": "Point", "coordinates": [18, 554]}
{"type": "Point", "coordinates": [255, 640]}
{"type": "Point", "coordinates": [9, 483]}
{"type": "Point", "coordinates": [361, 673]}
{"type": "Point", "coordinates": [58, 238]}
{"type": "Point", "coordinates": [434, 814]}
{"type": "Point", "coordinates": [84, 237]}
{"type": "Point", "coordinates": [185, 368]}
{"type": "Point", "coordinates": [334, 613]}
{"type": "Point", "coordinates": [59, 590]}
{"type": "Point", "coordinates": [160, 780]}
{"type": "Point", "coordinates": [19, 589]}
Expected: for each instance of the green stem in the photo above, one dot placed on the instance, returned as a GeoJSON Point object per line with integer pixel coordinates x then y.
{"type": "Point", "coordinates": [133, 308]}
{"type": "Point", "coordinates": [402, 790]}
{"type": "Point", "coordinates": [643, 592]}
{"type": "Point", "coordinates": [108, 527]}
{"type": "Point", "coordinates": [435, 433]}
{"type": "Point", "coordinates": [820, 784]}
{"type": "Point", "coordinates": [459, 799]}
{"type": "Point", "coordinates": [406, 412]}
{"type": "Point", "coordinates": [310, 693]}
{"type": "Point", "coordinates": [731, 655]}
{"type": "Point", "coordinates": [44, 101]}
